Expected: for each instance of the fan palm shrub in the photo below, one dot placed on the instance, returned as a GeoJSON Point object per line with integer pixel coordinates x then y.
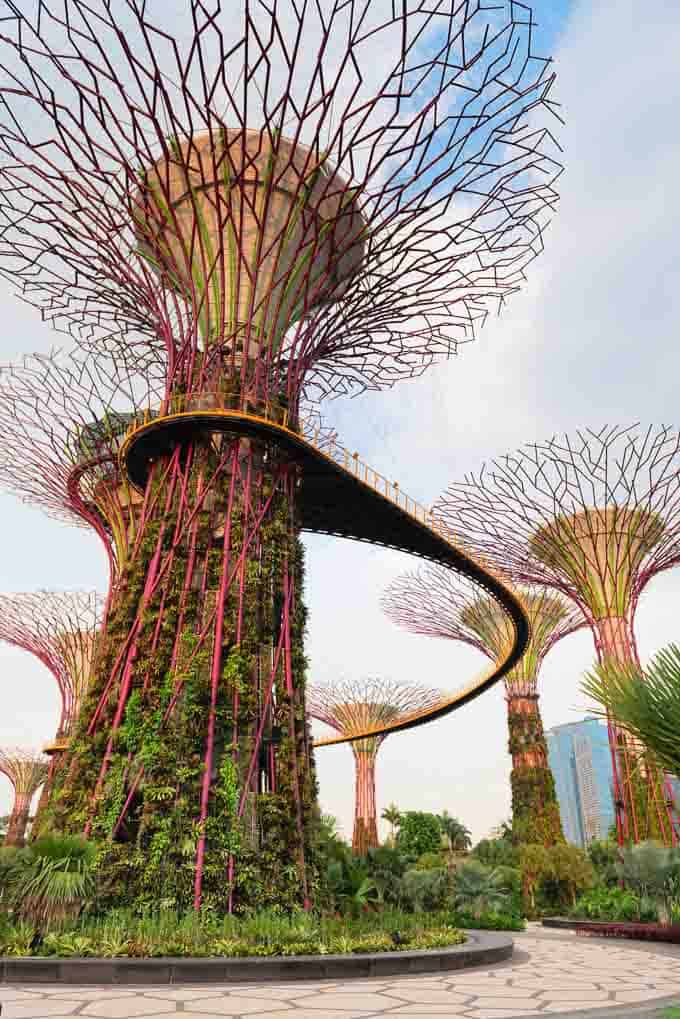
{"type": "Point", "coordinates": [480, 890]}
{"type": "Point", "coordinates": [425, 891]}
{"type": "Point", "coordinates": [646, 702]}
{"type": "Point", "coordinates": [55, 878]}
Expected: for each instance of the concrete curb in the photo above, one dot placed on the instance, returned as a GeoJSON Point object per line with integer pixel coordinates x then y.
{"type": "Point", "coordinates": [481, 948]}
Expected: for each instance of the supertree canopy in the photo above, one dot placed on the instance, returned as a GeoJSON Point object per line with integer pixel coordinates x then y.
{"type": "Point", "coordinates": [63, 419]}
{"type": "Point", "coordinates": [26, 770]}
{"type": "Point", "coordinates": [59, 628]}
{"type": "Point", "coordinates": [436, 603]}
{"type": "Point", "coordinates": [353, 706]}
{"type": "Point", "coordinates": [264, 203]}
{"type": "Point", "coordinates": [595, 517]}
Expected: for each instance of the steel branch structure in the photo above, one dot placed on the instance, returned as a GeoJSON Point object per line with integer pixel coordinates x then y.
{"type": "Point", "coordinates": [26, 770]}
{"type": "Point", "coordinates": [437, 603]}
{"type": "Point", "coordinates": [595, 517]}
{"type": "Point", "coordinates": [283, 201]}
{"type": "Point", "coordinates": [353, 706]}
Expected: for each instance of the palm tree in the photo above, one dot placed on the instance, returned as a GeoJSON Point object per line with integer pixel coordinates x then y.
{"type": "Point", "coordinates": [646, 702]}
{"type": "Point", "coordinates": [479, 890]}
{"type": "Point", "coordinates": [457, 835]}
{"type": "Point", "coordinates": [392, 815]}
{"type": "Point", "coordinates": [53, 878]}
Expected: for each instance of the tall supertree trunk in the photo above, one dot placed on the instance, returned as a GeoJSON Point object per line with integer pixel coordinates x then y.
{"type": "Point", "coordinates": [535, 810]}
{"type": "Point", "coordinates": [197, 699]}
{"type": "Point", "coordinates": [365, 834]}
{"type": "Point", "coordinates": [18, 821]}
{"type": "Point", "coordinates": [641, 797]}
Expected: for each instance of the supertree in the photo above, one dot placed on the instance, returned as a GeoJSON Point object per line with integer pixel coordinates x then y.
{"type": "Point", "coordinates": [436, 603]}
{"type": "Point", "coordinates": [63, 419]}
{"type": "Point", "coordinates": [268, 210]}
{"type": "Point", "coordinates": [352, 706]}
{"type": "Point", "coordinates": [596, 517]}
{"type": "Point", "coordinates": [26, 770]}
{"type": "Point", "coordinates": [59, 628]}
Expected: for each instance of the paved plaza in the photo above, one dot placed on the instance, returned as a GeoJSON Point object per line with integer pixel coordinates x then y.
{"type": "Point", "coordinates": [550, 974]}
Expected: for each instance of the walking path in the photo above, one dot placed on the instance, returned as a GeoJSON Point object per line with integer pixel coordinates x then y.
{"type": "Point", "coordinates": [550, 974]}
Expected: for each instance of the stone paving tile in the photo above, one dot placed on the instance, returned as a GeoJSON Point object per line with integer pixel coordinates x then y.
{"type": "Point", "coordinates": [332, 1000]}
{"type": "Point", "coordinates": [126, 1008]}
{"type": "Point", "coordinates": [175, 993]}
{"type": "Point", "coordinates": [433, 1010]}
{"type": "Point", "coordinates": [15, 994]}
{"type": "Point", "coordinates": [39, 1007]}
{"type": "Point", "coordinates": [236, 1004]}
{"type": "Point", "coordinates": [307, 1013]}
{"type": "Point", "coordinates": [500, 1013]}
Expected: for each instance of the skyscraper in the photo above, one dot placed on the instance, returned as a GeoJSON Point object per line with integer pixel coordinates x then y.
{"type": "Point", "coordinates": [580, 759]}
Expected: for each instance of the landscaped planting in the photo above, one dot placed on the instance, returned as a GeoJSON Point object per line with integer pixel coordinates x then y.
{"type": "Point", "coordinates": [121, 934]}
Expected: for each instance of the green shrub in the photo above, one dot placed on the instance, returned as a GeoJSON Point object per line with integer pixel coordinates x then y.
{"type": "Point", "coordinates": [430, 861]}
{"type": "Point", "coordinates": [53, 878]}
{"type": "Point", "coordinates": [613, 904]}
{"type": "Point", "coordinates": [496, 853]}
{"type": "Point", "coordinates": [17, 940]}
{"type": "Point", "coordinates": [68, 944]}
{"type": "Point", "coordinates": [489, 921]}
{"type": "Point", "coordinates": [425, 891]}
{"type": "Point", "coordinates": [478, 889]}
{"type": "Point", "coordinates": [419, 833]}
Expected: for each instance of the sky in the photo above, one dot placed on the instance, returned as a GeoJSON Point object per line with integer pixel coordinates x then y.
{"type": "Point", "coordinates": [591, 340]}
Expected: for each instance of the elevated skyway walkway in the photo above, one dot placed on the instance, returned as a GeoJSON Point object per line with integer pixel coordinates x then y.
{"type": "Point", "coordinates": [338, 495]}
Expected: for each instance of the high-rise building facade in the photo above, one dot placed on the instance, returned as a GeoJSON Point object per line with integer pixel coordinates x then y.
{"type": "Point", "coordinates": [580, 760]}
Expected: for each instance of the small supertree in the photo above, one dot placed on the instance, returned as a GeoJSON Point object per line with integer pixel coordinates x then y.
{"type": "Point", "coordinates": [436, 603]}
{"type": "Point", "coordinates": [255, 199]}
{"type": "Point", "coordinates": [353, 706]}
{"type": "Point", "coordinates": [63, 419]}
{"type": "Point", "coordinates": [595, 517]}
{"type": "Point", "coordinates": [59, 628]}
{"type": "Point", "coordinates": [26, 770]}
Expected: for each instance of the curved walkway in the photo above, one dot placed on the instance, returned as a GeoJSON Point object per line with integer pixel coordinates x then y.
{"type": "Point", "coordinates": [551, 974]}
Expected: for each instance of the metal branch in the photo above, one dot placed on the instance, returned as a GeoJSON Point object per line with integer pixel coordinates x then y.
{"type": "Point", "coordinates": [357, 185]}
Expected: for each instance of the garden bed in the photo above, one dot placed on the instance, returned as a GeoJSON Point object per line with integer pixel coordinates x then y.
{"type": "Point", "coordinates": [618, 929]}
{"type": "Point", "coordinates": [480, 948]}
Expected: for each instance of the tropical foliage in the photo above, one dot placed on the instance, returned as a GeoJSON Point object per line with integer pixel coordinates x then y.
{"type": "Point", "coordinates": [419, 833]}
{"type": "Point", "coordinates": [646, 702]}
{"type": "Point", "coordinates": [456, 834]}
{"type": "Point", "coordinates": [480, 890]}
{"type": "Point", "coordinates": [50, 881]}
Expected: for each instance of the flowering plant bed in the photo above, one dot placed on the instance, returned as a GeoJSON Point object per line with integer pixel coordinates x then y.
{"type": "Point", "coordinates": [619, 929]}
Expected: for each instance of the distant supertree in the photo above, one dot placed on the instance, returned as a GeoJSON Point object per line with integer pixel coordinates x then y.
{"type": "Point", "coordinates": [63, 420]}
{"type": "Point", "coordinates": [59, 628]}
{"type": "Point", "coordinates": [595, 517]}
{"type": "Point", "coordinates": [26, 770]}
{"type": "Point", "coordinates": [353, 706]}
{"type": "Point", "coordinates": [273, 201]}
{"type": "Point", "coordinates": [436, 603]}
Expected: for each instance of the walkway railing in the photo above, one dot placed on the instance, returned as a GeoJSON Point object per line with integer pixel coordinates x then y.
{"type": "Point", "coordinates": [322, 439]}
